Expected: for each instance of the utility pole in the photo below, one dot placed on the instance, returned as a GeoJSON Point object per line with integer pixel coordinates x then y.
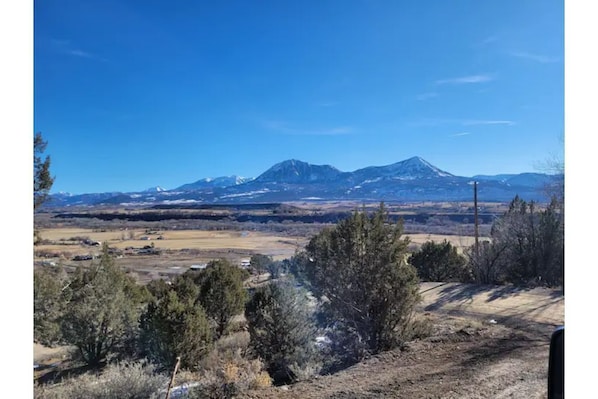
{"type": "Point", "coordinates": [475, 217]}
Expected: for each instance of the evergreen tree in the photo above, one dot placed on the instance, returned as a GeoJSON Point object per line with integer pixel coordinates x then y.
{"type": "Point", "coordinates": [173, 327]}
{"type": "Point", "coordinates": [101, 312]}
{"type": "Point", "coordinates": [440, 262]}
{"type": "Point", "coordinates": [42, 180]}
{"type": "Point", "coordinates": [260, 263]}
{"type": "Point", "coordinates": [359, 268]}
{"type": "Point", "coordinates": [48, 305]}
{"type": "Point", "coordinates": [527, 247]}
{"type": "Point", "coordinates": [221, 293]}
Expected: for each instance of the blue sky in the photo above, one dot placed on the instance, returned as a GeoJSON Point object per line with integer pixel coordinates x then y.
{"type": "Point", "coordinates": [133, 94]}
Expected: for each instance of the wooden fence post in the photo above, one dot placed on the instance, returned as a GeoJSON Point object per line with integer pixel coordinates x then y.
{"type": "Point", "coordinates": [176, 367]}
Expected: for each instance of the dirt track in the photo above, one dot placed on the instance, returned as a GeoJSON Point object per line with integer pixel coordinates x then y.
{"type": "Point", "coordinates": [489, 342]}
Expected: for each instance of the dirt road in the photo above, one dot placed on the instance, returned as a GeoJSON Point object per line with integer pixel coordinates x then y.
{"type": "Point", "coordinates": [488, 342]}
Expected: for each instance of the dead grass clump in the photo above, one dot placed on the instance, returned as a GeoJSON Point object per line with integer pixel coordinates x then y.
{"type": "Point", "coordinates": [226, 371]}
{"type": "Point", "coordinates": [232, 342]}
{"type": "Point", "coordinates": [306, 371]}
{"type": "Point", "coordinates": [419, 328]}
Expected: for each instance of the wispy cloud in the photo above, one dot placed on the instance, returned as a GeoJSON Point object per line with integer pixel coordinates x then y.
{"type": "Point", "coordinates": [284, 128]}
{"type": "Point", "coordinates": [82, 54]}
{"type": "Point", "coordinates": [487, 122]}
{"type": "Point", "coordinates": [427, 96]}
{"type": "Point", "coordinates": [466, 79]}
{"type": "Point", "coordinates": [460, 134]}
{"type": "Point", "coordinates": [326, 104]}
{"type": "Point", "coordinates": [489, 40]}
{"type": "Point", "coordinates": [66, 47]}
{"type": "Point", "coordinates": [431, 122]}
{"type": "Point", "coordinates": [543, 59]}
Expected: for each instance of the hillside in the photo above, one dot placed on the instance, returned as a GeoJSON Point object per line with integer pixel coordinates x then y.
{"type": "Point", "coordinates": [488, 342]}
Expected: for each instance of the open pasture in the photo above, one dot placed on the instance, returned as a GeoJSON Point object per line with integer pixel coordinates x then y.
{"type": "Point", "coordinates": [62, 239]}
{"type": "Point", "coordinates": [461, 242]}
{"type": "Point", "coordinates": [245, 242]}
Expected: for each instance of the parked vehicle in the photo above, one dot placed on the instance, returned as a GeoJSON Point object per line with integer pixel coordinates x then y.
{"type": "Point", "coordinates": [556, 364]}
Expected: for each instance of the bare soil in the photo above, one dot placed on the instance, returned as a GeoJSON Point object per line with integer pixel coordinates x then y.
{"type": "Point", "coordinates": [488, 342]}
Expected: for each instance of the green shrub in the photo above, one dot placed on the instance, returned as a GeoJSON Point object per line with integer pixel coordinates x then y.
{"type": "Point", "coordinates": [170, 328]}
{"type": "Point", "coordinates": [440, 262]}
{"type": "Point", "coordinates": [101, 311]}
{"type": "Point", "coordinates": [282, 331]}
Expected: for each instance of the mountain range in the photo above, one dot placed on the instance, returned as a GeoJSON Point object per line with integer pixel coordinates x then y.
{"type": "Point", "coordinates": [413, 179]}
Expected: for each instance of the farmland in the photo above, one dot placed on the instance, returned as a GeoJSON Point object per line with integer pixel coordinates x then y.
{"type": "Point", "coordinates": [175, 251]}
{"type": "Point", "coordinates": [487, 341]}
{"type": "Point", "coordinates": [159, 242]}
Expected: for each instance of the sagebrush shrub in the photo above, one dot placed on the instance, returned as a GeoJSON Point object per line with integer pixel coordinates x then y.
{"type": "Point", "coordinates": [135, 380]}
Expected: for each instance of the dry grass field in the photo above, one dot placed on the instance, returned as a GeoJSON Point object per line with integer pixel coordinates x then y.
{"type": "Point", "coordinates": [460, 242]}
{"type": "Point", "coordinates": [203, 245]}
{"type": "Point", "coordinates": [179, 239]}
{"type": "Point", "coordinates": [179, 249]}
{"type": "Point", "coordinates": [248, 242]}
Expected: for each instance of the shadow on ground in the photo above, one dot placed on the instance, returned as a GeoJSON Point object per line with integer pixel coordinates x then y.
{"type": "Point", "coordinates": [502, 303]}
{"type": "Point", "coordinates": [55, 375]}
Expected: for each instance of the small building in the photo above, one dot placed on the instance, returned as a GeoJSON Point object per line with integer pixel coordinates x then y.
{"type": "Point", "coordinates": [245, 263]}
{"type": "Point", "coordinates": [200, 266]}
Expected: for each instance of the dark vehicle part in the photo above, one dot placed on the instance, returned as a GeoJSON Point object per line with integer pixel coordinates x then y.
{"type": "Point", "coordinates": [556, 365]}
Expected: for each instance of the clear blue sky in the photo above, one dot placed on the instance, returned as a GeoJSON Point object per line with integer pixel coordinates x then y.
{"type": "Point", "coordinates": [133, 94]}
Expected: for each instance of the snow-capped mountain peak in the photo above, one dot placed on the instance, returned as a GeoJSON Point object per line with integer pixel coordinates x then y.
{"type": "Point", "coordinates": [409, 169]}
{"type": "Point", "coordinates": [156, 189]}
{"type": "Point", "coordinates": [214, 182]}
{"type": "Point", "coordinates": [295, 171]}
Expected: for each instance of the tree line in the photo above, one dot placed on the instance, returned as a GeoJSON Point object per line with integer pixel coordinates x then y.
{"type": "Point", "coordinates": [525, 248]}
